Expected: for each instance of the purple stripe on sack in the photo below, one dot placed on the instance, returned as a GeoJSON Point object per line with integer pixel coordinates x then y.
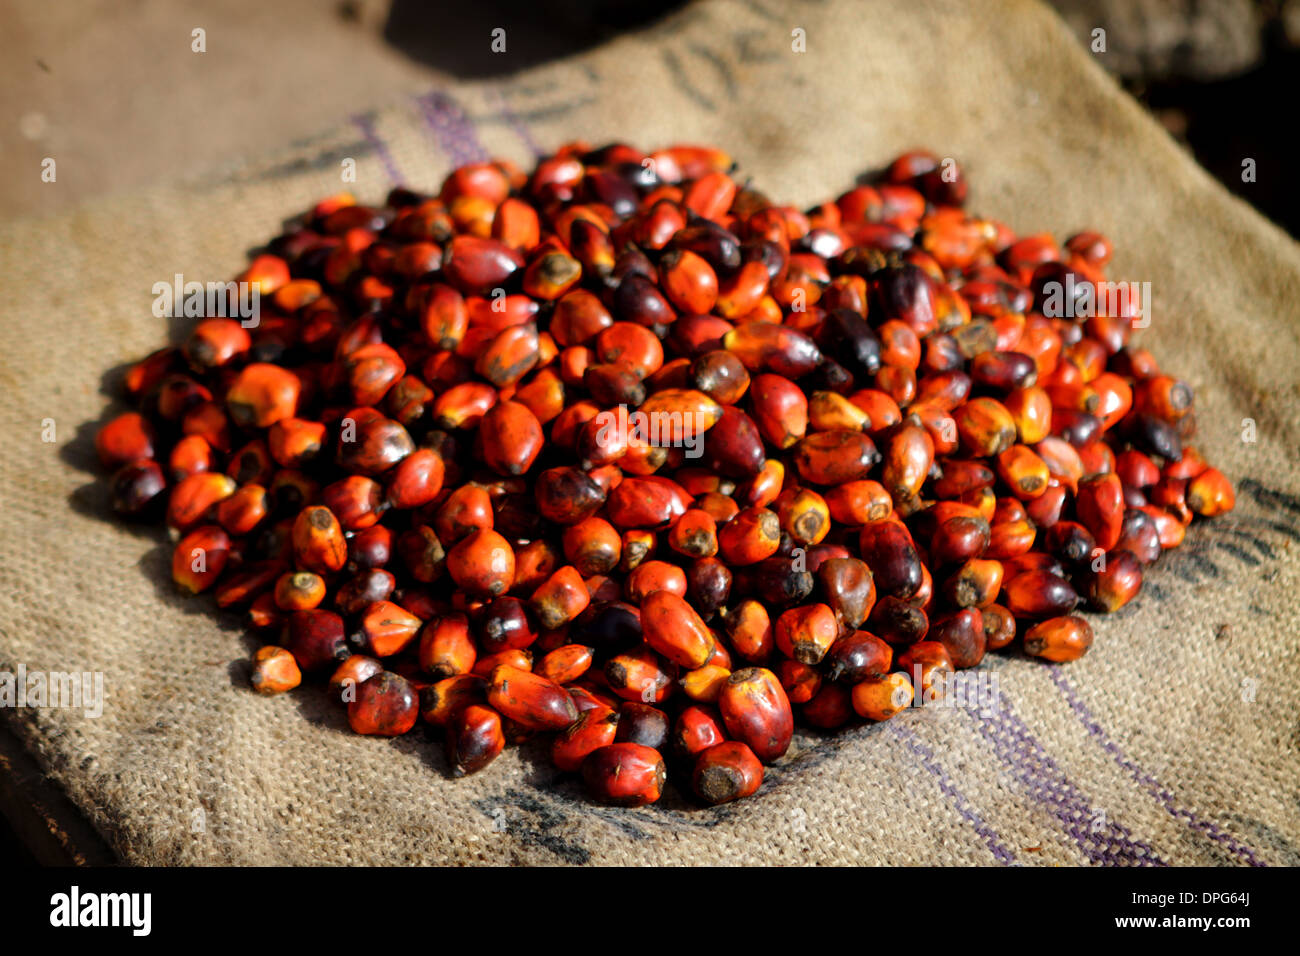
{"type": "Point", "coordinates": [1162, 795]}
{"type": "Point", "coordinates": [452, 128]}
{"type": "Point", "coordinates": [367, 126]}
{"type": "Point", "coordinates": [518, 126]}
{"type": "Point", "coordinates": [959, 802]}
{"type": "Point", "coordinates": [1104, 841]}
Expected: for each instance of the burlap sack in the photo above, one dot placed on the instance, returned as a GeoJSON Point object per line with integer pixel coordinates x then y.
{"type": "Point", "coordinates": [1172, 742]}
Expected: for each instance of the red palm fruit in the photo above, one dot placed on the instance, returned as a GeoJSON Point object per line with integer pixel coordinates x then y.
{"type": "Point", "coordinates": [848, 588]}
{"type": "Point", "coordinates": [476, 265]}
{"type": "Point", "coordinates": [444, 317]}
{"type": "Point", "coordinates": [720, 375]}
{"type": "Point", "coordinates": [985, 427]}
{"type": "Point", "coordinates": [534, 563]}
{"type": "Point", "coordinates": [697, 728]}
{"type": "Point", "coordinates": [999, 627]}
{"type": "Point", "coordinates": [1059, 639]}
{"type": "Point", "coordinates": [804, 515]}
{"type": "Point", "coordinates": [1100, 508]}
{"type": "Point", "coordinates": [543, 395]}
{"type": "Point", "coordinates": [192, 455]}
{"type": "Point", "coordinates": [466, 510]}
{"type": "Point", "coordinates": [482, 563]}
{"type": "Point", "coordinates": [592, 545]}
{"type": "Point", "coordinates": [463, 405]}
{"type": "Point", "coordinates": [300, 591]}
{"type": "Point", "coordinates": [356, 501]}
{"type": "Point", "coordinates": [624, 774]}
{"type": "Point", "coordinates": [551, 272]}
{"type": "Point", "coordinates": [316, 639]}
{"type": "Point", "coordinates": [511, 438]}
{"type": "Point", "coordinates": [857, 656]}
{"type": "Point", "coordinates": [1039, 594]}
{"type": "Point", "coordinates": [127, 437]}
{"type": "Point", "coordinates": [318, 542]}
{"type": "Point", "coordinates": [530, 700]}
{"type": "Point", "coordinates": [761, 490]}
{"type": "Point", "coordinates": [370, 444]}
{"type": "Point", "coordinates": [831, 411]}
{"type": "Point", "coordinates": [350, 673]}
{"type": "Point", "coordinates": [672, 628]}
{"type": "Point", "coordinates": [807, 633]}
{"type": "Point", "coordinates": [274, 670]}
{"type": "Point", "coordinates": [244, 510]}
{"type": "Point", "coordinates": [646, 502]}
{"type": "Point", "coordinates": [1117, 582]}
{"type": "Point", "coordinates": [561, 598]}
{"type": "Point", "coordinates": [959, 538]}
{"type": "Point", "coordinates": [371, 371]}
{"type": "Point", "coordinates": [440, 701]}
{"type": "Point", "coordinates": [800, 681]}
{"type": "Point", "coordinates": [835, 457]}
{"type": "Point", "coordinates": [899, 622]}
{"type": "Point", "coordinates": [363, 588]}
{"type": "Point", "coordinates": [752, 535]}
{"type": "Point", "coordinates": [879, 698]}
{"type": "Point", "coordinates": [678, 416]}
{"type": "Point", "coordinates": [263, 394]}
{"type": "Point", "coordinates": [637, 546]}
{"type": "Point", "coordinates": [510, 657]}
{"type": "Point", "coordinates": [474, 739]}
{"type": "Point", "coordinates": [689, 281]}
{"type": "Point", "coordinates": [1140, 536]}
{"type": "Point", "coordinates": [1023, 471]}
{"type": "Point", "coordinates": [928, 665]}
{"type": "Point", "coordinates": [1010, 539]}
{"type": "Point", "coordinates": [388, 628]}
{"type": "Point", "coordinates": [975, 584]}
{"type": "Point", "coordinates": [565, 664]}
{"type": "Point", "coordinates": [882, 411]}
{"type": "Point", "coordinates": [907, 461]}
{"type": "Point", "coordinates": [887, 548]}
{"type": "Point", "coordinates": [773, 347]}
{"type": "Point", "coordinates": [858, 502]}
{"type": "Point", "coordinates": [780, 409]}
{"type": "Point", "coordinates": [1210, 493]}
{"type": "Point", "coordinates": [726, 771]}
{"type": "Point", "coordinates": [733, 446]}
{"type": "Point", "coordinates": [594, 728]}
{"type": "Point", "coordinates": [694, 534]}
{"type": "Point", "coordinates": [416, 480]}
{"type": "Point", "coordinates": [504, 623]}
{"type": "Point", "coordinates": [962, 635]}
{"type": "Point", "coordinates": [199, 558]}
{"type": "Point", "coordinates": [510, 355]}
{"type": "Point", "coordinates": [632, 346]}
{"type": "Point", "coordinates": [830, 708]}
{"type": "Point", "coordinates": [749, 629]}
{"type": "Point", "coordinates": [194, 498]}
{"type": "Point", "coordinates": [640, 674]}
{"type": "Point", "coordinates": [385, 704]}
{"type": "Point", "coordinates": [757, 712]}
{"type": "Point", "coordinates": [640, 723]}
